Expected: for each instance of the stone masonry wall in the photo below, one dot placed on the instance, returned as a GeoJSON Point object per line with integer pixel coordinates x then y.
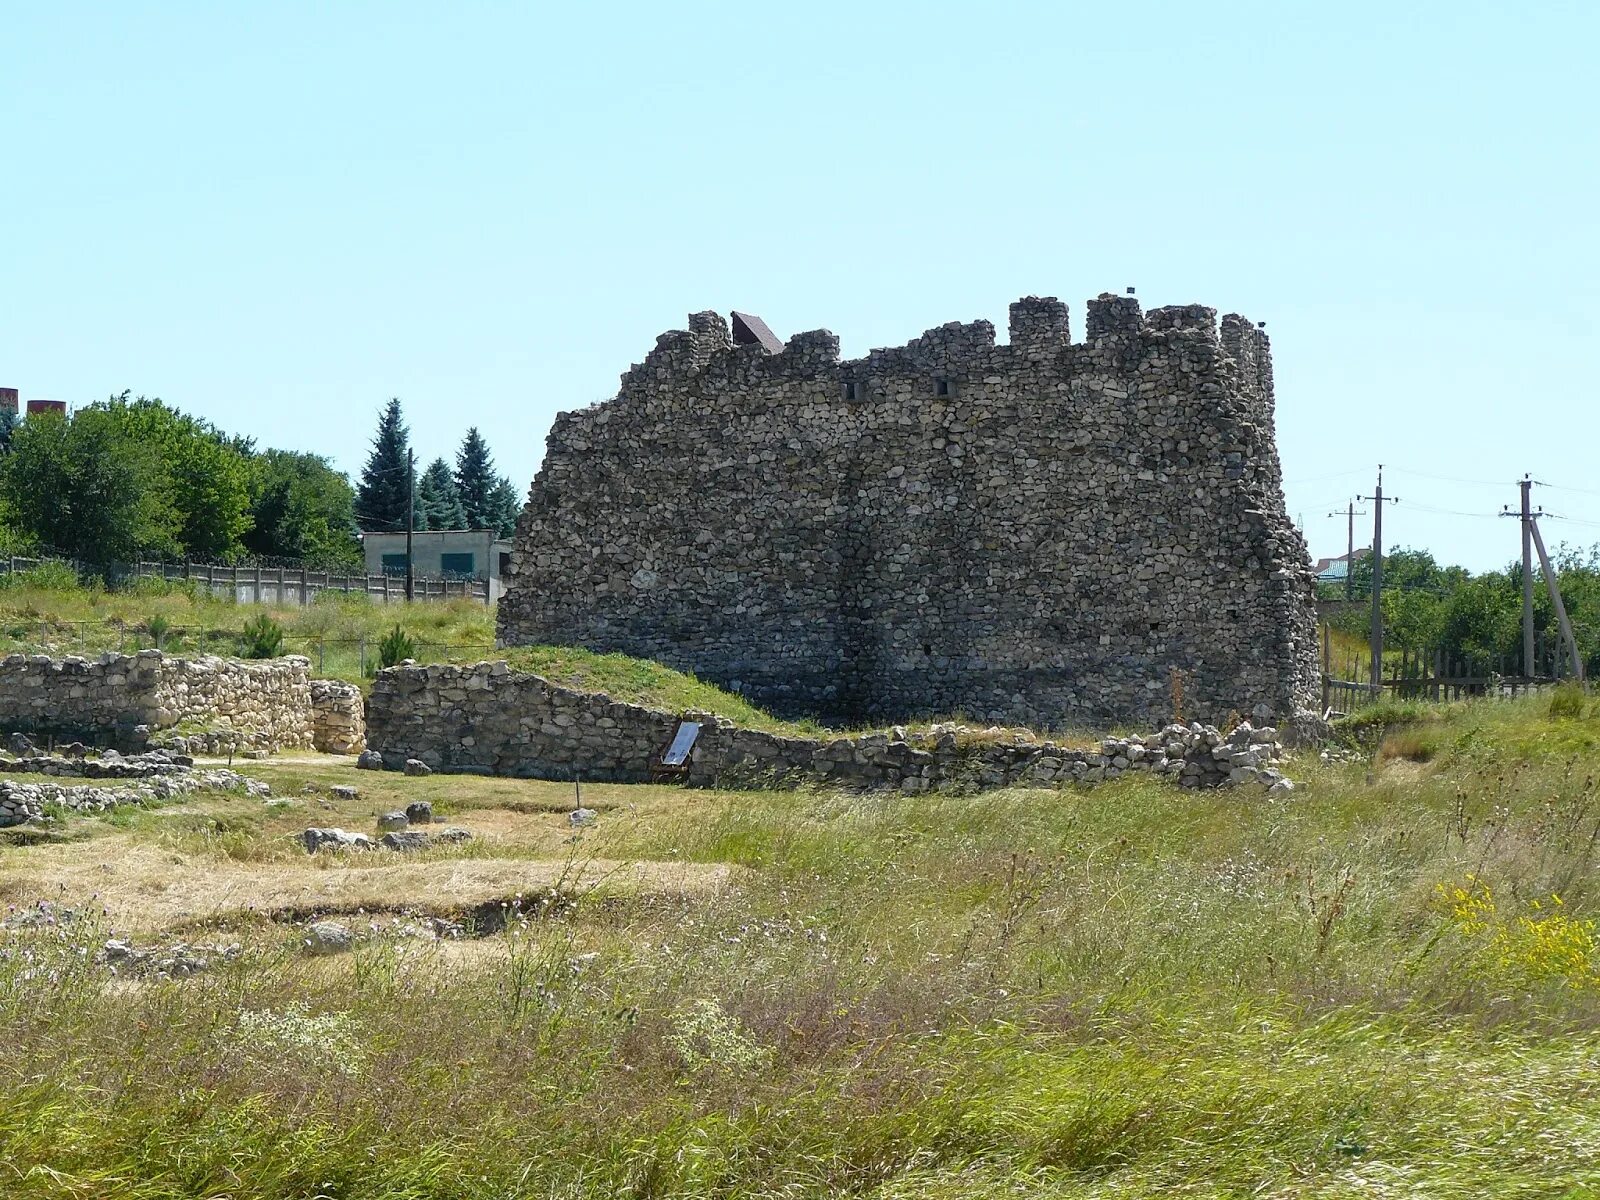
{"type": "Point", "coordinates": [338, 714]}
{"type": "Point", "coordinates": [1045, 532]}
{"type": "Point", "coordinates": [124, 698]}
{"type": "Point", "coordinates": [488, 719]}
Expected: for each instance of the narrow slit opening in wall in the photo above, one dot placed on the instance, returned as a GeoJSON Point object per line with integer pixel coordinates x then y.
{"type": "Point", "coordinates": [927, 648]}
{"type": "Point", "coordinates": [851, 389]}
{"type": "Point", "coordinates": [941, 387]}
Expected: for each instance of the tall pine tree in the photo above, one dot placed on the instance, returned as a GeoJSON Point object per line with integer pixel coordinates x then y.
{"type": "Point", "coordinates": [382, 494]}
{"type": "Point", "coordinates": [438, 502]}
{"type": "Point", "coordinates": [475, 481]}
{"type": "Point", "coordinates": [506, 506]}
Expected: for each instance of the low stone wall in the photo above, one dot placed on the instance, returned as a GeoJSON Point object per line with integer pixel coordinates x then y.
{"type": "Point", "coordinates": [488, 719]}
{"type": "Point", "coordinates": [23, 802]}
{"type": "Point", "coordinates": [338, 717]}
{"type": "Point", "coordinates": [271, 697]}
{"type": "Point", "coordinates": [125, 699]}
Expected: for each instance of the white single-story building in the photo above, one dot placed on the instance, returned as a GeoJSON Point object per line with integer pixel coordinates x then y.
{"type": "Point", "coordinates": [442, 554]}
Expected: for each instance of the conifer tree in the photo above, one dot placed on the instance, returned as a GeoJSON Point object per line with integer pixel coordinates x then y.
{"type": "Point", "coordinates": [505, 506]}
{"type": "Point", "coordinates": [382, 493]}
{"type": "Point", "coordinates": [475, 481]}
{"type": "Point", "coordinates": [438, 502]}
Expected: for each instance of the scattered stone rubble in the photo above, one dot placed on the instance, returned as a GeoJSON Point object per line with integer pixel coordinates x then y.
{"type": "Point", "coordinates": [22, 802]}
{"type": "Point", "coordinates": [108, 765]}
{"type": "Point", "coordinates": [397, 829]}
{"type": "Point", "coordinates": [175, 961]}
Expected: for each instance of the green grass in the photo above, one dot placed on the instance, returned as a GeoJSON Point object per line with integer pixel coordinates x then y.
{"type": "Point", "coordinates": [1365, 989]}
{"type": "Point", "coordinates": [59, 619]}
{"type": "Point", "coordinates": [640, 681]}
{"type": "Point", "coordinates": [332, 632]}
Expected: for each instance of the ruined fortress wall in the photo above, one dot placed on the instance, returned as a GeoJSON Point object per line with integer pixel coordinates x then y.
{"type": "Point", "coordinates": [1046, 531]}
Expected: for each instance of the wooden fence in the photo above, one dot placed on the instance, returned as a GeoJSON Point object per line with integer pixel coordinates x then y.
{"type": "Point", "coordinates": [281, 585]}
{"type": "Point", "coordinates": [1432, 675]}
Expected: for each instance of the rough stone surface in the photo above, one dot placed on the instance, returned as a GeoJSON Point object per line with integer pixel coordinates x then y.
{"type": "Point", "coordinates": [406, 839]}
{"type": "Point", "coordinates": [338, 722]}
{"type": "Point", "coordinates": [369, 760]}
{"type": "Point", "coordinates": [1041, 533]}
{"type": "Point", "coordinates": [132, 698]}
{"type": "Point", "coordinates": [177, 960]}
{"type": "Point", "coordinates": [390, 821]}
{"type": "Point", "coordinates": [328, 937]}
{"type": "Point", "coordinates": [22, 802]}
{"type": "Point", "coordinates": [524, 725]}
{"type": "Point", "coordinates": [335, 839]}
{"type": "Point", "coordinates": [416, 767]}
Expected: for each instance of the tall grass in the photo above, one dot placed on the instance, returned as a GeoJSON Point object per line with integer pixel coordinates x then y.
{"type": "Point", "coordinates": [1123, 992]}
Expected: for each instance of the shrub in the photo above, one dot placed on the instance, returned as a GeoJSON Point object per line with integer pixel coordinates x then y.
{"type": "Point", "coordinates": [396, 647]}
{"type": "Point", "coordinates": [262, 637]}
{"type": "Point", "coordinates": [158, 627]}
{"type": "Point", "coordinates": [1567, 700]}
{"type": "Point", "coordinates": [154, 587]}
{"type": "Point", "coordinates": [51, 575]}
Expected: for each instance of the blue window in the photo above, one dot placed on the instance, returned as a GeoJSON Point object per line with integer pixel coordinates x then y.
{"type": "Point", "coordinates": [455, 564]}
{"type": "Point", "coordinates": [394, 564]}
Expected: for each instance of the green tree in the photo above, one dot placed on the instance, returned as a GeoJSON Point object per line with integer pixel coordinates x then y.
{"type": "Point", "coordinates": [206, 479]}
{"type": "Point", "coordinates": [506, 507]}
{"type": "Point", "coordinates": [86, 486]}
{"type": "Point", "coordinates": [384, 490]}
{"type": "Point", "coordinates": [475, 481]}
{"type": "Point", "coordinates": [302, 508]}
{"type": "Point", "coordinates": [8, 426]}
{"type": "Point", "coordinates": [438, 502]}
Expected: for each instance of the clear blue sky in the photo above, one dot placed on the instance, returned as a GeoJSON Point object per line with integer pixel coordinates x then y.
{"type": "Point", "coordinates": [278, 215]}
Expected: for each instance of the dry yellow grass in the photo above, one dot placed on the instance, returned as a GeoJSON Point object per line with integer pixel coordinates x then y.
{"type": "Point", "coordinates": [216, 859]}
{"type": "Point", "coordinates": [145, 888]}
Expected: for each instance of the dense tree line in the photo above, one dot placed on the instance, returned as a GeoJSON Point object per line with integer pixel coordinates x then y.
{"type": "Point", "coordinates": [469, 495]}
{"type": "Point", "coordinates": [132, 477]}
{"type": "Point", "coordinates": [1476, 619]}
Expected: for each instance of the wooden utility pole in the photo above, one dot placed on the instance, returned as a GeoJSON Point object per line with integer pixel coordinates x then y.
{"type": "Point", "coordinates": [1350, 514]}
{"type": "Point", "coordinates": [1378, 499]}
{"type": "Point", "coordinates": [411, 517]}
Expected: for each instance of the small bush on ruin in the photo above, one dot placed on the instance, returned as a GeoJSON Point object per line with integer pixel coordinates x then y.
{"type": "Point", "coordinates": [396, 647]}
{"type": "Point", "coordinates": [261, 637]}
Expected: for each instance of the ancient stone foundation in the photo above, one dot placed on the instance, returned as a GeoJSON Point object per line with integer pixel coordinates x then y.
{"type": "Point", "coordinates": [128, 700]}
{"type": "Point", "coordinates": [1045, 532]}
{"type": "Point", "coordinates": [491, 720]}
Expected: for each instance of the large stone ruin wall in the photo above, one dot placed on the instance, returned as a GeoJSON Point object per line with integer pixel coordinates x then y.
{"type": "Point", "coordinates": [125, 699]}
{"type": "Point", "coordinates": [491, 720]}
{"type": "Point", "coordinates": [1044, 532]}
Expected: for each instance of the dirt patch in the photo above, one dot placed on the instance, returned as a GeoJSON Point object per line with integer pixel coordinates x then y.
{"type": "Point", "coordinates": [143, 887]}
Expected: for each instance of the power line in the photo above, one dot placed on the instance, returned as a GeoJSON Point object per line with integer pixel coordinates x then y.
{"type": "Point", "coordinates": [1334, 475]}
{"type": "Point", "coordinates": [1563, 488]}
{"type": "Point", "coordinates": [1494, 483]}
{"type": "Point", "coordinates": [1449, 512]}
